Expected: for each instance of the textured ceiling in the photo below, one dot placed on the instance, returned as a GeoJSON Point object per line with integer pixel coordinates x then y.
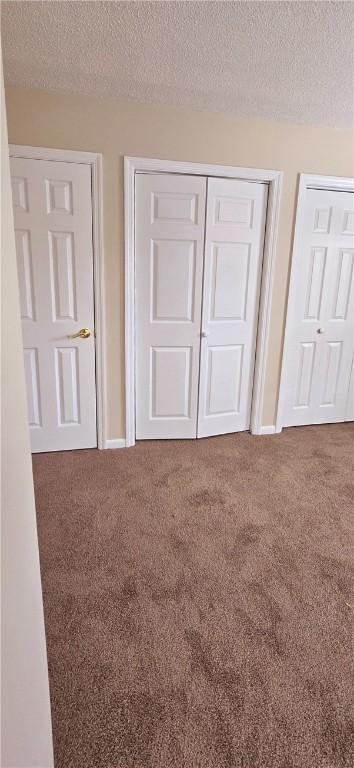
{"type": "Point", "coordinates": [278, 60]}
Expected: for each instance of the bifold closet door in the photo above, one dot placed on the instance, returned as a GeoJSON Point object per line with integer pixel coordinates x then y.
{"type": "Point", "coordinates": [169, 234]}
{"type": "Point", "coordinates": [318, 357]}
{"type": "Point", "coordinates": [234, 242]}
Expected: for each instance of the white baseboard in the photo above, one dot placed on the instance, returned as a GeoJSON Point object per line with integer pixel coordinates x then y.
{"type": "Point", "coordinates": [270, 430]}
{"type": "Point", "coordinates": [118, 442]}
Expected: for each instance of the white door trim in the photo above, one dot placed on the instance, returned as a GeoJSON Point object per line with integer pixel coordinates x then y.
{"type": "Point", "coordinates": [306, 181]}
{"type": "Point", "coordinates": [133, 165]}
{"type": "Point", "coordinates": [94, 160]}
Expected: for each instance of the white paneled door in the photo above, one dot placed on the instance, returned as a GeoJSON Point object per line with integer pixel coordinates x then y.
{"type": "Point", "coordinates": [53, 231]}
{"type": "Point", "coordinates": [199, 249]}
{"type": "Point", "coordinates": [318, 355]}
{"type": "Point", "coordinates": [234, 240]}
{"type": "Point", "coordinates": [170, 217]}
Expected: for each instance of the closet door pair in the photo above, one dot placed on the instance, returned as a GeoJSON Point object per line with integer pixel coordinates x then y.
{"type": "Point", "coordinates": [199, 252]}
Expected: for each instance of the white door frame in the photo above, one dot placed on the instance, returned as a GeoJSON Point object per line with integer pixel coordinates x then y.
{"type": "Point", "coordinates": [306, 181]}
{"type": "Point", "coordinates": [273, 179]}
{"type": "Point", "coordinates": [94, 160]}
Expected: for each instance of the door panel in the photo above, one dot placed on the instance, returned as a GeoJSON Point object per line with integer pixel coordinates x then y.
{"type": "Point", "coordinates": [53, 231]}
{"type": "Point", "coordinates": [32, 386]}
{"type": "Point", "coordinates": [224, 373]}
{"type": "Point", "coordinates": [349, 413]}
{"type": "Point", "coordinates": [306, 352]}
{"type": "Point", "coordinates": [67, 380]}
{"type": "Point", "coordinates": [229, 281]}
{"type": "Point", "coordinates": [320, 313]}
{"type": "Point", "coordinates": [170, 213]}
{"type": "Point", "coordinates": [62, 275]}
{"type": "Point", "coordinates": [343, 284]}
{"type": "Point", "coordinates": [170, 385]}
{"type": "Point", "coordinates": [25, 273]}
{"type": "Point", "coordinates": [173, 278]}
{"type": "Point", "coordinates": [234, 239]}
{"type": "Point", "coordinates": [317, 265]}
{"type": "Point", "coordinates": [333, 353]}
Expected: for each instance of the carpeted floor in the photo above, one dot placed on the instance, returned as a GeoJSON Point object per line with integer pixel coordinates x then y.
{"type": "Point", "coordinates": [199, 601]}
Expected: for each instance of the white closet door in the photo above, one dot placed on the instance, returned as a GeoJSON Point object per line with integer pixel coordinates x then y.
{"type": "Point", "coordinates": [170, 213]}
{"type": "Point", "coordinates": [235, 225]}
{"type": "Point", "coordinates": [53, 231]}
{"type": "Point", "coordinates": [319, 347]}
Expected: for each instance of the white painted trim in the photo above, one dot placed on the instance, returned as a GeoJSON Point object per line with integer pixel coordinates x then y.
{"type": "Point", "coordinates": [306, 181]}
{"type": "Point", "coordinates": [265, 305]}
{"type": "Point", "coordinates": [150, 165]}
{"type": "Point", "coordinates": [335, 183]}
{"type": "Point", "coordinates": [129, 227]}
{"type": "Point", "coordinates": [98, 282]}
{"type": "Point", "coordinates": [270, 430]}
{"type": "Point", "coordinates": [273, 179]}
{"type": "Point", "coordinates": [60, 155]}
{"type": "Point", "coordinates": [118, 442]}
{"type": "Point", "coordinates": [94, 160]}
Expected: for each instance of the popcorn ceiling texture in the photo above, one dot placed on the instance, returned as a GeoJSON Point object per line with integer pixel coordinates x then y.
{"type": "Point", "coordinates": [280, 60]}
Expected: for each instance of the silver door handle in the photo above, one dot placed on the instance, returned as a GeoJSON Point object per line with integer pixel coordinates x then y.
{"type": "Point", "coordinates": [204, 334]}
{"type": "Point", "coordinates": [320, 330]}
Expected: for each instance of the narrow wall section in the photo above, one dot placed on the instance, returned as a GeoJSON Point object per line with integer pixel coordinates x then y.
{"type": "Point", "coordinates": [26, 733]}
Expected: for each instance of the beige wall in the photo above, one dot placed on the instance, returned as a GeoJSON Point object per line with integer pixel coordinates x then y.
{"type": "Point", "coordinates": [117, 129]}
{"type": "Point", "coordinates": [26, 737]}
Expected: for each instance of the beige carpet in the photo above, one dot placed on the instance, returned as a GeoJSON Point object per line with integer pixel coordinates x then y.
{"type": "Point", "coordinates": [199, 601]}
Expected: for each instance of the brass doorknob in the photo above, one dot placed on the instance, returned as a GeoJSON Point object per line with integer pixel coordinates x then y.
{"type": "Point", "coordinates": [83, 333]}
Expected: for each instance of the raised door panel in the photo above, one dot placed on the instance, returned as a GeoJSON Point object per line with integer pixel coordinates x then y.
{"type": "Point", "coordinates": [229, 281]}
{"type": "Point", "coordinates": [173, 280]}
{"type": "Point", "coordinates": [317, 264]}
{"type": "Point", "coordinates": [322, 219]}
{"type": "Point", "coordinates": [174, 207]}
{"type": "Point", "coordinates": [32, 387]}
{"type": "Point", "coordinates": [25, 274]}
{"type": "Point", "coordinates": [170, 385]}
{"type": "Point", "coordinates": [349, 411]}
{"type": "Point", "coordinates": [63, 276]}
{"type": "Point", "coordinates": [234, 242]}
{"type": "Point", "coordinates": [348, 222]}
{"type": "Point", "coordinates": [333, 353]}
{"type": "Point", "coordinates": [343, 285]}
{"type": "Point", "coordinates": [223, 382]}
{"type": "Point", "coordinates": [304, 374]}
{"type": "Point", "coordinates": [67, 380]}
{"type": "Point", "coordinates": [20, 194]}
{"type": "Point", "coordinates": [170, 212]}
{"type": "Point", "coordinates": [233, 210]}
{"type": "Point", "coordinates": [59, 196]}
